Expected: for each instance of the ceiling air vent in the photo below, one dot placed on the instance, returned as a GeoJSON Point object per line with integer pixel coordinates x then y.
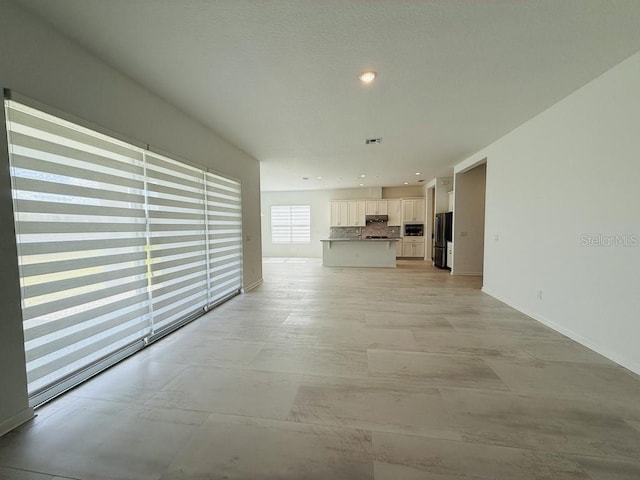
{"type": "Point", "coordinates": [373, 141]}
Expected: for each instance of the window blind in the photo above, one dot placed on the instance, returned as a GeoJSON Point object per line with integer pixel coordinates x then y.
{"type": "Point", "coordinates": [224, 237]}
{"type": "Point", "coordinates": [177, 239]}
{"type": "Point", "coordinates": [117, 245]}
{"type": "Point", "coordinates": [291, 224]}
{"type": "Point", "coordinates": [81, 235]}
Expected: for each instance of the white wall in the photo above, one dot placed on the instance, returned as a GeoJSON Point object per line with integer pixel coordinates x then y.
{"type": "Point", "coordinates": [573, 170]}
{"type": "Point", "coordinates": [468, 221]}
{"type": "Point", "coordinates": [443, 187]}
{"type": "Point", "coordinates": [320, 217]}
{"type": "Point", "coordinates": [39, 63]}
{"type": "Point", "coordinates": [408, 191]}
{"type": "Point", "coordinates": [355, 193]}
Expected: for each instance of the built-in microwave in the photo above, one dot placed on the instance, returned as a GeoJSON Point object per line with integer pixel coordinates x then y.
{"type": "Point", "coordinates": [414, 230]}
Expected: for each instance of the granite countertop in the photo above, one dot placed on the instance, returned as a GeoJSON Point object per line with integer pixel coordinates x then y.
{"type": "Point", "coordinates": [390, 239]}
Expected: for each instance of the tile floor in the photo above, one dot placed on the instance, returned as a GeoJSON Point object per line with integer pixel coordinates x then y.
{"type": "Point", "coordinates": [331, 373]}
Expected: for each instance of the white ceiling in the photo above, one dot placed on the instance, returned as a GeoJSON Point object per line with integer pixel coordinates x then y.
{"type": "Point", "coordinates": [279, 78]}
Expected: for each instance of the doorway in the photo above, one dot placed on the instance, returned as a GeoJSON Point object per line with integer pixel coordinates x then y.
{"type": "Point", "coordinates": [469, 220]}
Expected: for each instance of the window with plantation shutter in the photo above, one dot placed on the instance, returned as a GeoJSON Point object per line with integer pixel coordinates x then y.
{"type": "Point", "coordinates": [117, 246]}
{"type": "Point", "coordinates": [291, 224]}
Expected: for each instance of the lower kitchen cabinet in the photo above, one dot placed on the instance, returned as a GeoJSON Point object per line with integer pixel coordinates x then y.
{"type": "Point", "coordinates": [399, 252]}
{"type": "Point", "coordinates": [413, 250]}
{"type": "Point", "coordinates": [413, 247]}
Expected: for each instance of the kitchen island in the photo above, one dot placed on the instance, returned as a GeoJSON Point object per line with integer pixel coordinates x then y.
{"type": "Point", "coordinates": [370, 252]}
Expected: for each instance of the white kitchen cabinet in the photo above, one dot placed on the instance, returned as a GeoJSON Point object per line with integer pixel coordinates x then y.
{"type": "Point", "coordinates": [394, 208]}
{"type": "Point", "coordinates": [449, 254]}
{"type": "Point", "coordinates": [413, 210]}
{"type": "Point", "coordinates": [413, 250]}
{"type": "Point", "coordinates": [399, 252]}
{"type": "Point", "coordinates": [352, 213]}
{"type": "Point", "coordinates": [356, 213]}
{"type": "Point", "coordinates": [451, 201]}
{"type": "Point", "coordinates": [377, 207]}
{"type": "Point", "coordinates": [413, 246]}
{"type": "Point", "coordinates": [339, 214]}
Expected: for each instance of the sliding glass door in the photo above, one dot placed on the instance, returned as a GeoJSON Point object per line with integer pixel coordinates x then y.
{"type": "Point", "coordinates": [177, 238]}
{"type": "Point", "coordinates": [116, 245]}
{"type": "Point", "coordinates": [224, 237]}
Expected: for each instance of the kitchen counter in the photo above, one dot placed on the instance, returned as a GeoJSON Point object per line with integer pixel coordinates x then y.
{"type": "Point", "coordinates": [354, 252]}
{"type": "Point", "coordinates": [391, 239]}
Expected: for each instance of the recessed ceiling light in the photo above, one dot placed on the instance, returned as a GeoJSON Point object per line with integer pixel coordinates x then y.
{"type": "Point", "coordinates": [406, 183]}
{"type": "Point", "coordinates": [367, 77]}
{"type": "Point", "coordinates": [418, 173]}
{"type": "Point", "coordinates": [362, 184]}
{"type": "Point", "coordinates": [319, 178]}
{"type": "Point", "coordinates": [362, 176]}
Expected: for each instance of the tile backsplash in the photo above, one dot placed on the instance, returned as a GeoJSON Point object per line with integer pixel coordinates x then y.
{"type": "Point", "coordinates": [345, 232]}
{"type": "Point", "coordinates": [379, 229]}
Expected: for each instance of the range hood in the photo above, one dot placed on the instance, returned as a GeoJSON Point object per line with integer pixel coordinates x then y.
{"type": "Point", "coordinates": [376, 218]}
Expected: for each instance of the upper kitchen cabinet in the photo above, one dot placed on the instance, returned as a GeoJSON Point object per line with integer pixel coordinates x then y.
{"type": "Point", "coordinates": [339, 214]}
{"type": "Point", "coordinates": [348, 213]}
{"type": "Point", "coordinates": [356, 213]}
{"type": "Point", "coordinates": [377, 207]}
{"type": "Point", "coordinates": [451, 201]}
{"type": "Point", "coordinates": [394, 207]}
{"type": "Point", "coordinates": [413, 210]}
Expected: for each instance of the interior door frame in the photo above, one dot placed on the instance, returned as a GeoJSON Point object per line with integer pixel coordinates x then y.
{"type": "Point", "coordinates": [429, 194]}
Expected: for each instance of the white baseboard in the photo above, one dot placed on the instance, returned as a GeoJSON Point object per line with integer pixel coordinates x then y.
{"type": "Point", "coordinates": [469, 274]}
{"type": "Point", "coordinates": [16, 420]}
{"type": "Point", "coordinates": [587, 342]}
{"type": "Point", "coordinates": [252, 286]}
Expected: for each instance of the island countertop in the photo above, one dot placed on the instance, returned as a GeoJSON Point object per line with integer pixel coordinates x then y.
{"type": "Point", "coordinates": [356, 252]}
{"type": "Point", "coordinates": [390, 239]}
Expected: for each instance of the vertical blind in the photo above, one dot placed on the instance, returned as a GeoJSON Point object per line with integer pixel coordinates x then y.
{"type": "Point", "coordinates": [290, 224]}
{"type": "Point", "coordinates": [115, 243]}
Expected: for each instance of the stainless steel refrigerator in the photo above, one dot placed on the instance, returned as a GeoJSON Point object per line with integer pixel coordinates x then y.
{"type": "Point", "coordinates": [442, 234]}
